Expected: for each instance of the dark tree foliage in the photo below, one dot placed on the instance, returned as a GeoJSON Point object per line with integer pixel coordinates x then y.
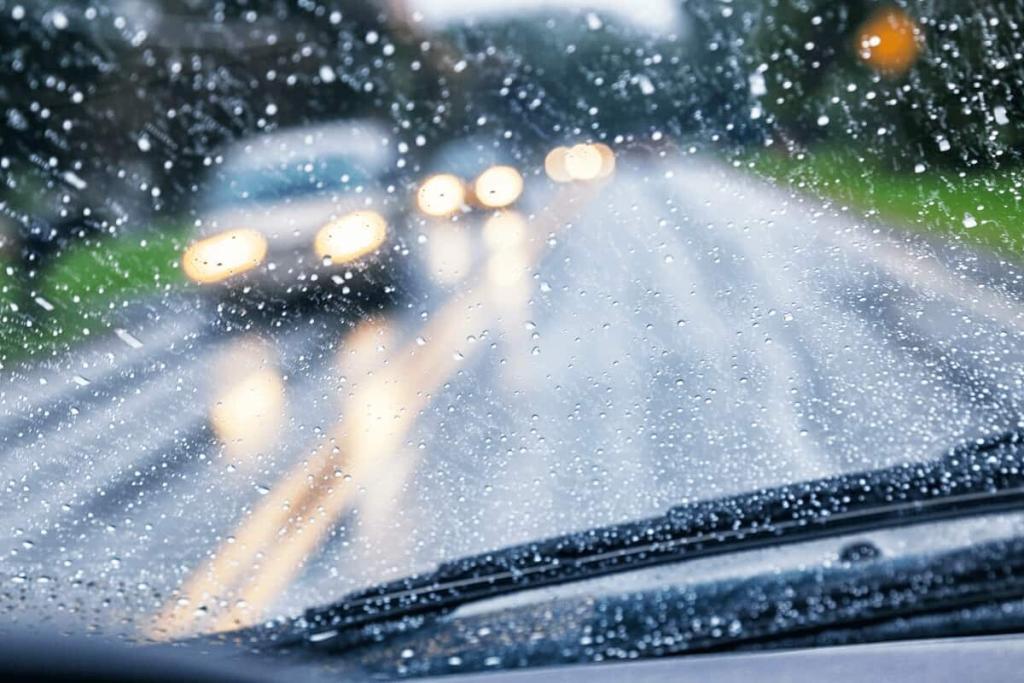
{"type": "Point", "coordinates": [958, 104]}
{"type": "Point", "coordinates": [111, 119]}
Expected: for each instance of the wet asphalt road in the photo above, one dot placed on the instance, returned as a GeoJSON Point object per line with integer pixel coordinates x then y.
{"type": "Point", "coordinates": [678, 333]}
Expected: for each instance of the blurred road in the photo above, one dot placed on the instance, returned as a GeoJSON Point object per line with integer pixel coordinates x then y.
{"type": "Point", "coordinates": [677, 332]}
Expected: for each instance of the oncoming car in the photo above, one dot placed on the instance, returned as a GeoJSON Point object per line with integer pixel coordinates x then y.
{"type": "Point", "coordinates": [291, 211]}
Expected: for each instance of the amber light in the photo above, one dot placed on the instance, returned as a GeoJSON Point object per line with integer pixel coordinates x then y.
{"type": "Point", "coordinates": [889, 41]}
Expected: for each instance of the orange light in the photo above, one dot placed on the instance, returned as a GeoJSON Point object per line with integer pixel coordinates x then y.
{"type": "Point", "coordinates": [351, 236]}
{"type": "Point", "coordinates": [219, 257]}
{"type": "Point", "coordinates": [889, 41]}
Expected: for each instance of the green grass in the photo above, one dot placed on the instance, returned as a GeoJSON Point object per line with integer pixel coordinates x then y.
{"type": "Point", "coordinates": [83, 287]}
{"type": "Point", "coordinates": [939, 201]}
{"type": "Point", "coordinates": [93, 279]}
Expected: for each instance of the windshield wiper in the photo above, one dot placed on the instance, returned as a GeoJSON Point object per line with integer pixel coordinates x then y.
{"type": "Point", "coordinates": [980, 478]}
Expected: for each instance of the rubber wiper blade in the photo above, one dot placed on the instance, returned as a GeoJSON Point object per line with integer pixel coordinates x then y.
{"type": "Point", "coordinates": [980, 478]}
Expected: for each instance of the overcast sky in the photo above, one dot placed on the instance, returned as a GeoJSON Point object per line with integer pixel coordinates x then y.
{"type": "Point", "coordinates": [655, 15]}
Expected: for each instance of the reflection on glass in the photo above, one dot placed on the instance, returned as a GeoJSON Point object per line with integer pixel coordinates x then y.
{"type": "Point", "coordinates": [498, 186]}
{"type": "Point", "coordinates": [504, 235]}
{"type": "Point", "coordinates": [449, 253]}
{"type": "Point", "coordinates": [507, 267]}
{"type": "Point", "coordinates": [441, 195]}
{"type": "Point", "coordinates": [504, 229]}
{"type": "Point", "coordinates": [351, 236]}
{"type": "Point", "coordinates": [219, 257]}
{"type": "Point", "coordinates": [363, 349]}
{"type": "Point", "coordinates": [249, 410]}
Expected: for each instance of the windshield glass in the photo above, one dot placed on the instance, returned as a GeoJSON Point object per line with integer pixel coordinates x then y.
{"type": "Point", "coordinates": [270, 184]}
{"type": "Point", "coordinates": [298, 297]}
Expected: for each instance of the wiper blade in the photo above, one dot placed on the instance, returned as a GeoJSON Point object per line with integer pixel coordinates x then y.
{"type": "Point", "coordinates": [980, 478]}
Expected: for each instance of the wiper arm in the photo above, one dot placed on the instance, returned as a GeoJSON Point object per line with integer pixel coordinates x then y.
{"type": "Point", "coordinates": [977, 479]}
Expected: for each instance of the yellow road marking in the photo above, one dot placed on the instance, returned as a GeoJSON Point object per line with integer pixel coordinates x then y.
{"type": "Point", "coordinates": [251, 568]}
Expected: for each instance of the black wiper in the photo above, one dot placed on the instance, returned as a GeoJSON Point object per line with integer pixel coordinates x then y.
{"type": "Point", "coordinates": [980, 478]}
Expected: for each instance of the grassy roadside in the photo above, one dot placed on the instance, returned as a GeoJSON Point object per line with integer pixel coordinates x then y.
{"type": "Point", "coordinates": [72, 298]}
{"type": "Point", "coordinates": [985, 207]}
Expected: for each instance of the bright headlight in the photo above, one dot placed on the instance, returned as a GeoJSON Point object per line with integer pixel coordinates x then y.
{"type": "Point", "coordinates": [351, 236]}
{"type": "Point", "coordinates": [554, 165]}
{"type": "Point", "coordinates": [583, 162]}
{"type": "Point", "coordinates": [221, 256]}
{"type": "Point", "coordinates": [607, 159]}
{"type": "Point", "coordinates": [498, 186]}
{"type": "Point", "coordinates": [441, 195]}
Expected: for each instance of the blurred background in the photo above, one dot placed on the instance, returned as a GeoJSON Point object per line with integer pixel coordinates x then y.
{"type": "Point", "coordinates": [116, 115]}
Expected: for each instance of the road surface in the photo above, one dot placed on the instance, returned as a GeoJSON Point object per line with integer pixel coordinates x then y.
{"type": "Point", "coordinates": [677, 332]}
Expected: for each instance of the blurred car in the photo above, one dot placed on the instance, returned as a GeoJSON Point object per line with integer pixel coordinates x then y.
{"type": "Point", "coordinates": [291, 211]}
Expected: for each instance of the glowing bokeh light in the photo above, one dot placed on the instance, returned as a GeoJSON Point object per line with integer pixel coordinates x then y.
{"type": "Point", "coordinates": [498, 186]}
{"type": "Point", "coordinates": [441, 195]}
{"type": "Point", "coordinates": [583, 162]}
{"type": "Point", "coordinates": [554, 165]}
{"type": "Point", "coordinates": [351, 236]}
{"type": "Point", "coordinates": [219, 257]}
{"type": "Point", "coordinates": [889, 41]}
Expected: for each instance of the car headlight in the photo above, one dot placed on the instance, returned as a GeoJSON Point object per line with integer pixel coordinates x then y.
{"type": "Point", "coordinates": [351, 236]}
{"type": "Point", "coordinates": [580, 162]}
{"type": "Point", "coordinates": [498, 186]}
{"type": "Point", "coordinates": [441, 195]}
{"type": "Point", "coordinates": [219, 257]}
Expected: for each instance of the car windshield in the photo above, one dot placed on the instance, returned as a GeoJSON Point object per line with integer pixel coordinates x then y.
{"type": "Point", "coordinates": [288, 181]}
{"type": "Point", "coordinates": [300, 164]}
{"type": "Point", "coordinates": [298, 298]}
